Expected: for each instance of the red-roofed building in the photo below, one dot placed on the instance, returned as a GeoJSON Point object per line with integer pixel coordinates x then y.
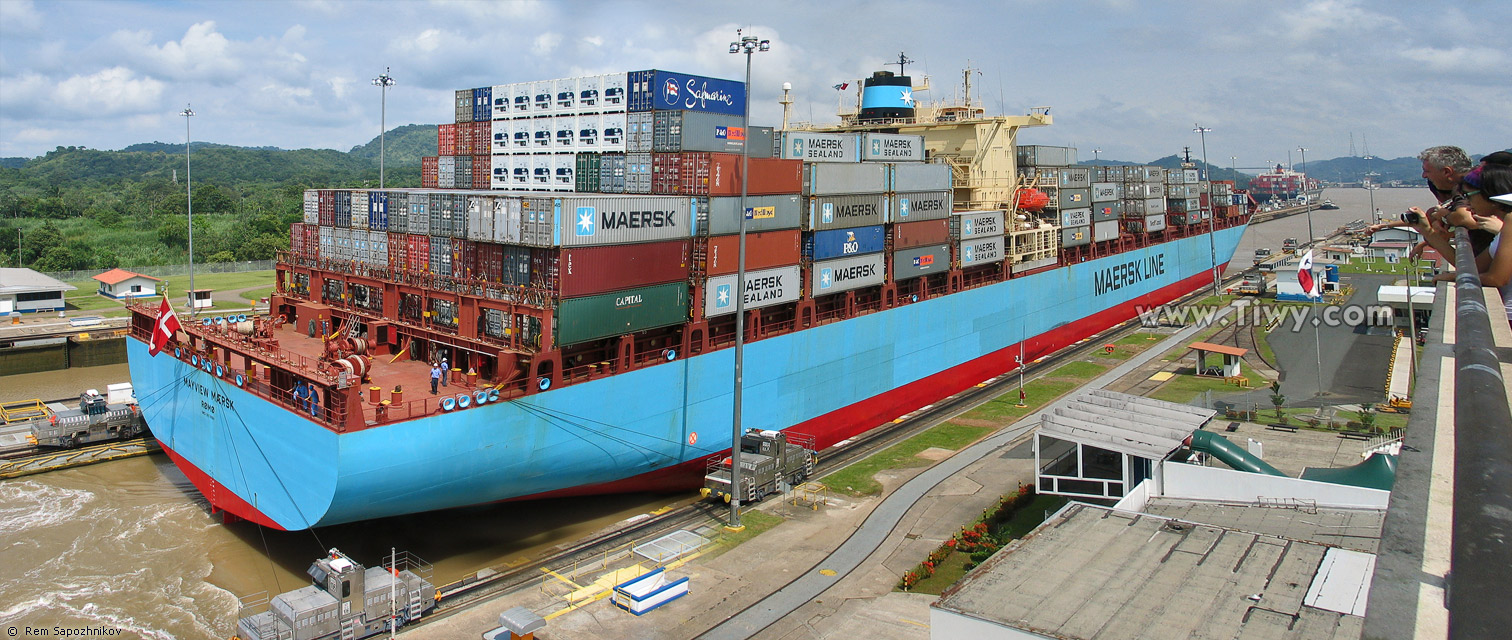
{"type": "Point", "coordinates": [120, 283]}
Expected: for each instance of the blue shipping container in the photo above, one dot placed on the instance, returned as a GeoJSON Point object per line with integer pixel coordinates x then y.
{"type": "Point", "coordinates": [839, 243]}
{"type": "Point", "coordinates": [654, 90]}
{"type": "Point", "coordinates": [377, 211]}
{"type": "Point", "coordinates": [483, 104]}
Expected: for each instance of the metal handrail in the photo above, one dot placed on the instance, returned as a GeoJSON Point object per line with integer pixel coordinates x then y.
{"type": "Point", "coordinates": [1481, 550]}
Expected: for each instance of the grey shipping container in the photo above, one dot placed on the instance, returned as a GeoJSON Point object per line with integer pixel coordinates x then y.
{"type": "Point", "coordinates": [820, 147]}
{"type": "Point", "coordinates": [1077, 236]}
{"type": "Point", "coordinates": [1106, 191]}
{"type": "Point", "coordinates": [978, 251]}
{"type": "Point", "coordinates": [639, 129]}
{"type": "Point", "coordinates": [892, 147]}
{"type": "Point", "coordinates": [920, 261]}
{"type": "Point", "coordinates": [913, 206]}
{"type": "Point", "coordinates": [398, 211]}
{"type": "Point", "coordinates": [676, 131]}
{"type": "Point", "coordinates": [1043, 156]}
{"type": "Point", "coordinates": [419, 215]}
{"type": "Point", "coordinates": [637, 173]}
{"type": "Point", "coordinates": [826, 179]}
{"type": "Point", "coordinates": [919, 177]}
{"type": "Point", "coordinates": [1107, 210]}
{"type": "Point", "coordinates": [844, 274]}
{"type": "Point", "coordinates": [1074, 198]}
{"type": "Point", "coordinates": [1076, 217]}
{"type": "Point", "coordinates": [844, 212]}
{"type": "Point", "coordinates": [593, 220]}
{"type": "Point", "coordinates": [719, 216]}
{"type": "Point", "coordinates": [1108, 174]}
{"type": "Point", "coordinates": [965, 225]}
{"type": "Point", "coordinates": [612, 173]}
{"type": "Point", "coordinates": [1105, 230]}
{"type": "Point", "coordinates": [1075, 177]}
{"type": "Point", "coordinates": [621, 312]}
{"type": "Point", "coordinates": [764, 288]}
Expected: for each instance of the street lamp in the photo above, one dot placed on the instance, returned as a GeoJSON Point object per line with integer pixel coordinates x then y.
{"type": "Point", "coordinates": [1094, 156]}
{"type": "Point", "coordinates": [1375, 215]}
{"type": "Point", "coordinates": [746, 45]}
{"type": "Point", "coordinates": [1212, 244]}
{"type": "Point", "coordinates": [189, 195]}
{"type": "Point", "coordinates": [383, 82]}
{"type": "Point", "coordinates": [1310, 235]}
{"type": "Point", "coordinates": [1233, 173]}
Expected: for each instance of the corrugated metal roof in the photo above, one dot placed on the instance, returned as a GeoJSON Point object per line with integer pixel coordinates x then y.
{"type": "Point", "coordinates": [118, 275]}
{"type": "Point", "coordinates": [1127, 424]}
{"type": "Point", "coordinates": [14, 281]}
{"type": "Point", "coordinates": [1218, 348]}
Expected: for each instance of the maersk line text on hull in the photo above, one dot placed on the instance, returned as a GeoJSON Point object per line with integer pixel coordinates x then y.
{"type": "Point", "coordinates": [1125, 274]}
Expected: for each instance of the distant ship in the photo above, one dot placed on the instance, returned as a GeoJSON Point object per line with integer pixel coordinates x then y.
{"type": "Point", "coordinates": [1285, 185]}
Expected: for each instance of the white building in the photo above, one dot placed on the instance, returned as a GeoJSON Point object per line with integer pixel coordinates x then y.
{"type": "Point", "coordinates": [27, 291]}
{"type": "Point", "coordinates": [120, 283]}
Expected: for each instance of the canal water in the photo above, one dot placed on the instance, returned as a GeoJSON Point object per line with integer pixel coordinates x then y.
{"type": "Point", "coordinates": [130, 545]}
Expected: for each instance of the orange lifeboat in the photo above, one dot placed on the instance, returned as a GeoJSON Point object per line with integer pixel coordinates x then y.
{"type": "Point", "coordinates": [1033, 200]}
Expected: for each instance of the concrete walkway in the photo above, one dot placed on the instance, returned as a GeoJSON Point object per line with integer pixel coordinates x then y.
{"type": "Point", "coordinates": [862, 545]}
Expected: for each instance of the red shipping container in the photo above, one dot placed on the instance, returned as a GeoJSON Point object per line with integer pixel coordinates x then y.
{"type": "Point", "coordinates": [907, 235]}
{"type": "Point", "coordinates": [482, 174]}
{"type": "Point", "coordinates": [666, 173]}
{"type": "Point", "coordinates": [543, 268]}
{"type": "Point", "coordinates": [763, 251]}
{"type": "Point", "coordinates": [464, 139]}
{"type": "Point", "coordinates": [585, 271]}
{"type": "Point", "coordinates": [490, 262]}
{"type": "Point", "coordinates": [296, 240]}
{"type": "Point", "coordinates": [418, 247]}
{"type": "Point", "coordinates": [718, 174]}
{"type": "Point", "coordinates": [327, 208]}
{"type": "Point", "coordinates": [429, 172]}
{"type": "Point", "coordinates": [446, 140]}
{"type": "Point", "coordinates": [398, 251]}
{"type": "Point", "coordinates": [482, 136]}
{"type": "Point", "coordinates": [464, 258]}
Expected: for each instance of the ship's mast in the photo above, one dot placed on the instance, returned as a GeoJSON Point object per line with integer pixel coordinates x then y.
{"type": "Point", "coordinates": [902, 61]}
{"type": "Point", "coordinates": [787, 103]}
{"type": "Point", "coordinates": [966, 78]}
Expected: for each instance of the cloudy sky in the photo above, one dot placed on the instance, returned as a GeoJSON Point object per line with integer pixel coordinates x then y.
{"type": "Point", "coordinates": [1130, 77]}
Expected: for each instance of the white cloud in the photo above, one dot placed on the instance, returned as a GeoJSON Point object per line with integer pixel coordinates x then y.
{"type": "Point", "coordinates": [1460, 59]}
{"type": "Point", "coordinates": [339, 86]}
{"type": "Point", "coordinates": [202, 54]}
{"type": "Point", "coordinates": [19, 17]}
{"type": "Point", "coordinates": [545, 43]}
{"type": "Point", "coordinates": [111, 91]}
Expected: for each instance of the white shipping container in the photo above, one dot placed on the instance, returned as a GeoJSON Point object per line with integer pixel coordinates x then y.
{"type": "Point", "coordinates": [844, 274]}
{"type": "Point", "coordinates": [311, 206]}
{"type": "Point", "coordinates": [540, 172]}
{"type": "Point", "coordinates": [1155, 222]}
{"type": "Point", "coordinates": [588, 129]}
{"type": "Point", "coordinates": [563, 171]}
{"type": "Point", "coordinates": [764, 288]}
{"type": "Point", "coordinates": [564, 96]}
{"type": "Point", "coordinates": [541, 130]}
{"type": "Point", "coordinates": [1104, 230]}
{"type": "Point", "coordinates": [502, 96]}
{"type": "Point", "coordinates": [360, 210]}
{"type": "Point", "coordinates": [819, 147]}
{"type": "Point", "coordinates": [503, 134]}
{"type": "Point", "coordinates": [1191, 176]}
{"type": "Point", "coordinates": [612, 132]}
{"type": "Point", "coordinates": [589, 99]}
{"type": "Point", "coordinates": [564, 134]}
{"type": "Point", "coordinates": [479, 218]}
{"type": "Point", "coordinates": [982, 251]}
{"type": "Point", "coordinates": [892, 147]}
{"type": "Point", "coordinates": [542, 100]}
{"type": "Point", "coordinates": [506, 220]}
{"type": "Point", "coordinates": [502, 166]}
{"type": "Point", "coordinates": [614, 96]}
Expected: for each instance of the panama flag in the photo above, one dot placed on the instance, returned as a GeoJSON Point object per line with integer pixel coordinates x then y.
{"type": "Point", "coordinates": [167, 325]}
{"type": "Point", "coordinates": [1305, 275]}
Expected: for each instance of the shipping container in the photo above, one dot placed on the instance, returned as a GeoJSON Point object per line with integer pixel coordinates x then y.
{"type": "Point", "coordinates": [621, 312]}
{"type": "Point", "coordinates": [503, 99]}
{"type": "Point", "coordinates": [844, 212]}
{"type": "Point", "coordinates": [377, 213]}
{"type": "Point", "coordinates": [820, 147]}
{"type": "Point", "coordinates": [304, 241]}
{"type": "Point", "coordinates": [837, 243]}
{"type": "Point", "coordinates": [1107, 210]}
{"type": "Point", "coordinates": [655, 90]}
{"type": "Point", "coordinates": [446, 140]}
{"type": "Point", "coordinates": [1107, 191]}
{"type": "Point", "coordinates": [1075, 177]}
{"type": "Point", "coordinates": [764, 250]}
{"type": "Point", "coordinates": [718, 174]}
{"type": "Point", "coordinates": [463, 102]}
{"type": "Point", "coordinates": [480, 218]}
{"type": "Point", "coordinates": [1077, 236]}
{"type": "Point", "coordinates": [1043, 156]}
{"type": "Point", "coordinates": [639, 131]}
{"type": "Point", "coordinates": [586, 128]}
{"type": "Point", "coordinates": [616, 92]}
{"type": "Point", "coordinates": [612, 173]}
{"type": "Point", "coordinates": [920, 205]}
{"type": "Point", "coordinates": [502, 136]}
{"type": "Point", "coordinates": [398, 252]}
{"type": "Point", "coordinates": [920, 261]}
{"type": "Point", "coordinates": [822, 179]}
{"type": "Point", "coordinates": [359, 210]}
{"type": "Point", "coordinates": [564, 133]}
{"type": "Point", "coordinates": [1076, 217]}
{"type": "Point", "coordinates": [311, 207]}
{"type": "Point", "coordinates": [563, 171]}
{"type": "Point", "coordinates": [541, 100]}
{"type": "Point", "coordinates": [464, 258]}
{"type": "Point", "coordinates": [398, 211]}
{"type": "Point", "coordinates": [418, 253]}
{"type": "Point", "coordinates": [590, 94]}
{"type": "Point", "coordinates": [583, 220]}
{"type": "Point", "coordinates": [638, 173]}
{"type": "Point", "coordinates": [893, 147]}
{"type": "Point", "coordinates": [763, 288]}
{"type": "Point", "coordinates": [1192, 176]}
{"type": "Point", "coordinates": [907, 235]}
{"type": "Point", "coordinates": [585, 271]}
{"type": "Point", "coordinates": [587, 177]}
{"type": "Point", "coordinates": [419, 213]}
{"type": "Point", "coordinates": [1155, 222]}
{"type": "Point", "coordinates": [845, 274]}
{"type": "Point", "coordinates": [327, 211]}
{"type": "Point", "coordinates": [978, 251]}
{"type": "Point", "coordinates": [1105, 230]}
{"type": "Point", "coordinates": [612, 132]}
{"type": "Point", "coordinates": [482, 110]}
{"type": "Point", "coordinates": [1073, 198]}
{"type": "Point", "coordinates": [341, 214]}
{"type": "Point", "coordinates": [965, 225]}
{"type": "Point", "coordinates": [678, 131]}
{"type": "Point", "coordinates": [918, 177]}
{"type": "Point", "coordinates": [507, 220]}
{"type": "Point", "coordinates": [540, 172]}
{"type": "Point", "coordinates": [440, 256]}
{"type": "Point", "coordinates": [564, 96]}
{"type": "Point", "coordinates": [721, 215]}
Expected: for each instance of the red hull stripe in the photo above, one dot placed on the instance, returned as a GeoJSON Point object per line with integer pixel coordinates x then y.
{"type": "Point", "coordinates": [221, 499]}
{"type": "Point", "coordinates": [860, 417]}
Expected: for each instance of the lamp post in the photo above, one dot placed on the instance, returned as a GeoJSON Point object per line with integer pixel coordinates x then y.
{"type": "Point", "coordinates": [746, 45]}
{"type": "Point", "coordinates": [1303, 188]}
{"type": "Point", "coordinates": [1094, 156]}
{"type": "Point", "coordinates": [189, 196]}
{"type": "Point", "coordinates": [383, 82]}
{"type": "Point", "coordinates": [1233, 173]}
{"type": "Point", "coordinates": [1212, 244]}
{"type": "Point", "coordinates": [1375, 217]}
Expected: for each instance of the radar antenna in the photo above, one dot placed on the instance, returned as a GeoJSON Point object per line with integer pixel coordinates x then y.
{"type": "Point", "coordinates": [902, 60]}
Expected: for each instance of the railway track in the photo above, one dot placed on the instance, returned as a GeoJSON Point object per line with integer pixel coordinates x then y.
{"type": "Point", "coordinates": [693, 513]}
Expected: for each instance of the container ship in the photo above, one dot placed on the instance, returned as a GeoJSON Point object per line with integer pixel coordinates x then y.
{"type": "Point", "coordinates": [572, 258]}
{"type": "Point", "coordinates": [1285, 185]}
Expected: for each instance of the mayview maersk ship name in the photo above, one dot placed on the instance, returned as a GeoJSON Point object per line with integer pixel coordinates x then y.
{"type": "Point", "coordinates": [586, 321]}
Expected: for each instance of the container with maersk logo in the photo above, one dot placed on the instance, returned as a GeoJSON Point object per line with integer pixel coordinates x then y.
{"type": "Point", "coordinates": [844, 274]}
{"type": "Point", "coordinates": [594, 220]}
{"type": "Point", "coordinates": [820, 147]}
{"type": "Point", "coordinates": [764, 288]}
{"type": "Point", "coordinates": [621, 312]}
{"type": "Point", "coordinates": [967, 225]}
{"type": "Point", "coordinates": [921, 205]}
{"type": "Point", "coordinates": [844, 212]}
{"type": "Point", "coordinates": [891, 147]}
{"type": "Point", "coordinates": [981, 251]}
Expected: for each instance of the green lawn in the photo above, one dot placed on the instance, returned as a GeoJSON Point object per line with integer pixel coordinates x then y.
{"type": "Point", "coordinates": [946, 573]}
{"type": "Point", "coordinates": [755, 522]}
{"type": "Point", "coordinates": [1001, 410]}
{"type": "Point", "coordinates": [258, 294]}
{"type": "Point", "coordinates": [1087, 370]}
{"type": "Point", "coordinates": [1184, 387]}
{"type": "Point", "coordinates": [1380, 266]}
{"type": "Point", "coordinates": [1127, 346]}
{"type": "Point", "coordinates": [856, 479]}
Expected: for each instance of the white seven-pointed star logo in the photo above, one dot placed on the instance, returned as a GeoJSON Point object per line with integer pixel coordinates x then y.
{"type": "Point", "coordinates": [722, 296]}
{"type": "Point", "coordinates": [824, 278]}
{"type": "Point", "coordinates": [968, 254]}
{"type": "Point", "coordinates": [585, 221]}
{"type": "Point", "coordinates": [907, 98]}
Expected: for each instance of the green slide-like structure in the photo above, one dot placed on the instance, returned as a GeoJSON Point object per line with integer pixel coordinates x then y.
{"type": "Point", "coordinates": [1231, 454]}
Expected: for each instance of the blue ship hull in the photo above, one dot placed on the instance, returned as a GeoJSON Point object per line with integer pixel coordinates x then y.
{"type": "Point", "coordinates": [648, 427]}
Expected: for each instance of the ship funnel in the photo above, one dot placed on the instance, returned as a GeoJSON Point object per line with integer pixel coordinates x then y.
{"type": "Point", "coordinates": [885, 96]}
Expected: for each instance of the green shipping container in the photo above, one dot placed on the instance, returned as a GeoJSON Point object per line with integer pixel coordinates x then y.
{"type": "Point", "coordinates": [621, 312]}
{"type": "Point", "coordinates": [587, 179]}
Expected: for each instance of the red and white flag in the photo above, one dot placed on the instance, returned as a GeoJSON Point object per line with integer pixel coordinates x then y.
{"type": "Point", "coordinates": [167, 325]}
{"type": "Point", "coordinates": [1305, 275]}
